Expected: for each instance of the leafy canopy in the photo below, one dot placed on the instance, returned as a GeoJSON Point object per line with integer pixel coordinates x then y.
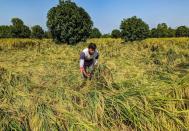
{"type": "Point", "coordinates": [162, 31]}
{"type": "Point", "coordinates": [69, 23]}
{"type": "Point", "coordinates": [95, 33]}
{"type": "Point", "coordinates": [134, 29]}
{"type": "Point", "coordinates": [37, 32]}
{"type": "Point", "coordinates": [18, 29]}
{"type": "Point", "coordinates": [116, 33]}
{"type": "Point", "coordinates": [182, 31]}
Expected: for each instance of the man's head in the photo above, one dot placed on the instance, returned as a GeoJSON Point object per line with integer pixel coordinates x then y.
{"type": "Point", "coordinates": [92, 48]}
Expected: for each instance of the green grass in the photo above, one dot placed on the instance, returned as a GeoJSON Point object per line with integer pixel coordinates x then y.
{"type": "Point", "coordinates": [137, 86]}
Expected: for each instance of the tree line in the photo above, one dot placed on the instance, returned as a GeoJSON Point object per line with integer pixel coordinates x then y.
{"type": "Point", "coordinates": [69, 23]}
{"type": "Point", "coordinates": [132, 31]}
{"type": "Point", "coordinates": [19, 30]}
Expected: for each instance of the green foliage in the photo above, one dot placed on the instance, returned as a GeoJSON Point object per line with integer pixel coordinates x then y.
{"type": "Point", "coordinates": [69, 23]}
{"type": "Point", "coordinates": [134, 29]}
{"type": "Point", "coordinates": [162, 31]}
{"type": "Point", "coordinates": [182, 31]}
{"type": "Point", "coordinates": [95, 33]}
{"type": "Point", "coordinates": [17, 22]}
{"type": "Point", "coordinates": [16, 30]}
{"type": "Point", "coordinates": [37, 32]}
{"type": "Point", "coordinates": [106, 36]}
{"type": "Point", "coordinates": [47, 34]}
{"type": "Point", "coordinates": [171, 32]}
{"type": "Point", "coordinates": [19, 30]}
{"type": "Point", "coordinates": [60, 1]}
{"type": "Point", "coordinates": [5, 32]}
{"type": "Point", "coordinates": [116, 33]}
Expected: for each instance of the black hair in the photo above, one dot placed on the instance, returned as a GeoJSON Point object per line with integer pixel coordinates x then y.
{"type": "Point", "coordinates": [92, 46]}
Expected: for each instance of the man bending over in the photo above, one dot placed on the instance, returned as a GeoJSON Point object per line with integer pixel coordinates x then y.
{"type": "Point", "coordinates": [88, 60]}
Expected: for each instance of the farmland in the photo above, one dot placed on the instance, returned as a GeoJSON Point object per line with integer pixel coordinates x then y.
{"type": "Point", "coordinates": [142, 85]}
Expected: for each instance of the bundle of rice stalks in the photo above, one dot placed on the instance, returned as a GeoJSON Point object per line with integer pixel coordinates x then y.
{"type": "Point", "coordinates": [103, 77]}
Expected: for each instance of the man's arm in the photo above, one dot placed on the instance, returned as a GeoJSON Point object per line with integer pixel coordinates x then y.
{"type": "Point", "coordinates": [82, 57]}
{"type": "Point", "coordinates": [82, 61]}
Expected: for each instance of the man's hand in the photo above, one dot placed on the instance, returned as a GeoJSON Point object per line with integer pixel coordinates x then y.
{"type": "Point", "coordinates": [87, 74]}
{"type": "Point", "coordinates": [84, 72]}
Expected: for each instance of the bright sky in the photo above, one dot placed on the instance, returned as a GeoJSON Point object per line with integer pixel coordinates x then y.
{"type": "Point", "coordinates": [106, 14]}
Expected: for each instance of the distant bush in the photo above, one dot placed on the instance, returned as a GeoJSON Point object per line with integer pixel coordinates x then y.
{"type": "Point", "coordinates": [134, 29]}
{"type": "Point", "coordinates": [116, 33]}
{"type": "Point", "coordinates": [37, 32]}
{"type": "Point", "coordinates": [5, 31]}
{"type": "Point", "coordinates": [95, 33]}
{"type": "Point", "coordinates": [19, 30]}
{"type": "Point", "coordinates": [69, 23]}
{"type": "Point", "coordinates": [182, 31]}
{"type": "Point", "coordinates": [171, 32]}
{"type": "Point", "coordinates": [47, 34]}
{"type": "Point", "coordinates": [106, 36]}
{"type": "Point", "coordinates": [162, 31]}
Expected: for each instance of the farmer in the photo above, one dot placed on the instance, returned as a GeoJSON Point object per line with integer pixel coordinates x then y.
{"type": "Point", "coordinates": [88, 60]}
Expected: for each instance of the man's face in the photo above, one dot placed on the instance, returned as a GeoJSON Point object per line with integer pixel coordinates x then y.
{"type": "Point", "coordinates": [91, 51]}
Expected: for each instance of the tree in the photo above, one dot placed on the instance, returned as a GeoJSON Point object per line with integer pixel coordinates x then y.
{"type": "Point", "coordinates": [61, 1]}
{"type": "Point", "coordinates": [5, 31]}
{"type": "Point", "coordinates": [134, 29]}
{"type": "Point", "coordinates": [162, 31]}
{"type": "Point", "coordinates": [17, 22]}
{"type": "Point", "coordinates": [95, 33]}
{"type": "Point", "coordinates": [171, 32]}
{"type": "Point", "coordinates": [116, 33]}
{"type": "Point", "coordinates": [19, 30]}
{"type": "Point", "coordinates": [47, 34]}
{"type": "Point", "coordinates": [154, 33]}
{"type": "Point", "coordinates": [37, 32]}
{"type": "Point", "coordinates": [69, 23]}
{"type": "Point", "coordinates": [26, 32]}
{"type": "Point", "coordinates": [182, 31]}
